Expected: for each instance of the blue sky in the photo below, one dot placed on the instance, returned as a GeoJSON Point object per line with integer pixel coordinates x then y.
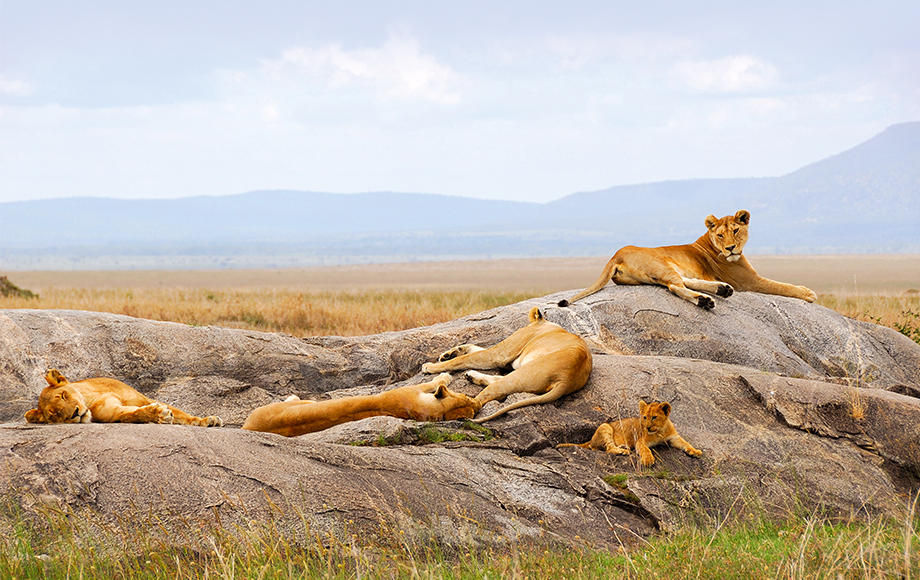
{"type": "Point", "coordinates": [524, 101]}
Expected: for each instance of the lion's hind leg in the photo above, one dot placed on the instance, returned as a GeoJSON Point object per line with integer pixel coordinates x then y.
{"type": "Point", "coordinates": [718, 288]}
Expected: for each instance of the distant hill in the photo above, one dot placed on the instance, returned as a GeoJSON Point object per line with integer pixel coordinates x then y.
{"type": "Point", "coordinates": [864, 200]}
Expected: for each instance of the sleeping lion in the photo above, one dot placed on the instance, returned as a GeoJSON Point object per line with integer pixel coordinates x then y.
{"type": "Point", "coordinates": [103, 400]}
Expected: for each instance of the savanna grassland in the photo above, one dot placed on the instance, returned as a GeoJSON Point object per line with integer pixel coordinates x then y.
{"type": "Point", "coordinates": [358, 300]}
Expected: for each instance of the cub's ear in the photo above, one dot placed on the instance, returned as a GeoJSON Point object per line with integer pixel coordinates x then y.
{"type": "Point", "coordinates": [34, 416]}
{"type": "Point", "coordinates": [711, 222]}
{"type": "Point", "coordinates": [743, 217]}
{"type": "Point", "coordinates": [535, 314]}
{"type": "Point", "coordinates": [642, 406]}
{"type": "Point", "coordinates": [666, 409]}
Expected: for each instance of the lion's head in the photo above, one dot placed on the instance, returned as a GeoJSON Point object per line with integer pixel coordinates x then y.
{"type": "Point", "coordinates": [446, 404]}
{"type": "Point", "coordinates": [654, 416]}
{"type": "Point", "coordinates": [729, 234]}
{"type": "Point", "coordinates": [59, 402]}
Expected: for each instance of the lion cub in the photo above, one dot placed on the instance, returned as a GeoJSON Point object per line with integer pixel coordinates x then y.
{"type": "Point", "coordinates": [103, 400]}
{"type": "Point", "coordinates": [652, 428]}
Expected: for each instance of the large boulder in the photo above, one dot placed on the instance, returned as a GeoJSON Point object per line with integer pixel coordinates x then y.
{"type": "Point", "coordinates": [794, 407]}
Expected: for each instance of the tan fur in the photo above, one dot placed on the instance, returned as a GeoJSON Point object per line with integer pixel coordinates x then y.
{"type": "Point", "coordinates": [431, 401]}
{"type": "Point", "coordinates": [103, 400]}
{"type": "Point", "coordinates": [654, 427]}
{"type": "Point", "coordinates": [712, 264]}
{"type": "Point", "coordinates": [547, 360]}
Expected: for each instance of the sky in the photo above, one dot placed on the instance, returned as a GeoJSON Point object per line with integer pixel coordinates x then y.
{"type": "Point", "coordinates": [525, 101]}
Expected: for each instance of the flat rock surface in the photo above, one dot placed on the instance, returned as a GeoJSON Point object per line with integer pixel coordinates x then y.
{"type": "Point", "coordinates": [794, 407]}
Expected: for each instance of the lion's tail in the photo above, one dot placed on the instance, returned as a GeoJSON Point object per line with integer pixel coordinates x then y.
{"type": "Point", "coordinates": [544, 398]}
{"type": "Point", "coordinates": [606, 276]}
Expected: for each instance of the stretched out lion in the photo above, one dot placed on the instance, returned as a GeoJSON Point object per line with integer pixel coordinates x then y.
{"type": "Point", "coordinates": [712, 264]}
{"type": "Point", "coordinates": [431, 401]}
{"type": "Point", "coordinates": [547, 360]}
{"type": "Point", "coordinates": [652, 428]}
{"type": "Point", "coordinates": [103, 400]}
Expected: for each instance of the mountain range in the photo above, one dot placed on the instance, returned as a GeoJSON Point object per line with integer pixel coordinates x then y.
{"type": "Point", "coordinates": [863, 200]}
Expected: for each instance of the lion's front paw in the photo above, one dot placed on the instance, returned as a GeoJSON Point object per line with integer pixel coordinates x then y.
{"type": "Point", "coordinates": [617, 450]}
{"type": "Point", "coordinates": [426, 368]}
{"type": "Point", "coordinates": [159, 413]}
{"type": "Point", "coordinates": [452, 353]}
{"type": "Point", "coordinates": [705, 302]}
{"type": "Point", "coordinates": [810, 295]}
{"type": "Point", "coordinates": [725, 290]}
{"type": "Point", "coordinates": [647, 459]}
{"type": "Point", "coordinates": [694, 451]}
{"type": "Point", "coordinates": [213, 421]}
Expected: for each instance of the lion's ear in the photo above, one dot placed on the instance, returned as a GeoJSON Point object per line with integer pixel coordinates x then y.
{"type": "Point", "coordinates": [666, 409]}
{"type": "Point", "coordinates": [441, 392]}
{"type": "Point", "coordinates": [535, 314]}
{"type": "Point", "coordinates": [711, 222]}
{"type": "Point", "coordinates": [642, 406]}
{"type": "Point", "coordinates": [55, 378]}
{"type": "Point", "coordinates": [743, 217]}
{"type": "Point", "coordinates": [34, 416]}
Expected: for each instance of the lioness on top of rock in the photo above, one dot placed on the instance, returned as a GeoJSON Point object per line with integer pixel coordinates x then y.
{"type": "Point", "coordinates": [547, 360]}
{"type": "Point", "coordinates": [652, 428]}
{"type": "Point", "coordinates": [712, 264]}
{"type": "Point", "coordinates": [103, 400]}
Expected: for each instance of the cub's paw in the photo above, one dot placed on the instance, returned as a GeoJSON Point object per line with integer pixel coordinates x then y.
{"type": "Point", "coordinates": [725, 290]}
{"type": "Point", "coordinates": [617, 450]}
{"type": "Point", "coordinates": [647, 460]}
{"type": "Point", "coordinates": [694, 451]}
{"type": "Point", "coordinates": [705, 302]}
{"type": "Point", "coordinates": [159, 413]}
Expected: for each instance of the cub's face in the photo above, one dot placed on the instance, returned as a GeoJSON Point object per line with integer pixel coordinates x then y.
{"type": "Point", "coordinates": [654, 416]}
{"type": "Point", "coordinates": [60, 404]}
{"type": "Point", "coordinates": [729, 234]}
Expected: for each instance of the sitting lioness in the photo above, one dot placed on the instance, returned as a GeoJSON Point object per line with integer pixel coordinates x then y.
{"type": "Point", "coordinates": [712, 264]}
{"type": "Point", "coordinates": [547, 360]}
{"type": "Point", "coordinates": [104, 400]}
{"type": "Point", "coordinates": [431, 401]}
{"type": "Point", "coordinates": [652, 428]}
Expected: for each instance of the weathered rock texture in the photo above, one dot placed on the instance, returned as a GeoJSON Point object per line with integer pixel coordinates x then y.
{"type": "Point", "coordinates": [794, 407]}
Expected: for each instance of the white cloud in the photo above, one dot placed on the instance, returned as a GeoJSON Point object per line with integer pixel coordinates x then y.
{"type": "Point", "coordinates": [731, 74]}
{"type": "Point", "coordinates": [395, 71]}
{"type": "Point", "coordinates": [14, 88]}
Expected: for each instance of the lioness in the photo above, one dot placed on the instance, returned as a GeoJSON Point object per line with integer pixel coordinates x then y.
{"type": "Point", "coordinates": [431, 401]}
{"type": "Point", "coordinates": [712, 264]}
{"type": "Point", "coordinates": [652, 428]}
{"type": "Point", "coordinates": [547, 360]}
{"type": "Point", "coordinates": [104, 401]}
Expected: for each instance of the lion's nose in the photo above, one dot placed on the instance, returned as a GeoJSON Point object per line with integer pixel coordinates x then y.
{"type": "Point", "coordinates": [729, 248]}
{"type": "Point", "coordinates": [76, 413]}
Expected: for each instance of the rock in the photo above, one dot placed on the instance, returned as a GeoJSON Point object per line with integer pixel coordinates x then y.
{"type": "Point", "coordinates": [795, 408]}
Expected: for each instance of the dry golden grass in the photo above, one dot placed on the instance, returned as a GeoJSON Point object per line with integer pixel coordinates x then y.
{"type": "Point", "coordinates": [366, 299]}
{"type": "Point", "coordinates": [297, 313]}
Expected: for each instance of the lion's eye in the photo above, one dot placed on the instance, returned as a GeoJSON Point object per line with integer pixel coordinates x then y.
{"type": "Point", "coordinates": [736, 231]}
{"type": "Point", "coordinates": [720, 236]}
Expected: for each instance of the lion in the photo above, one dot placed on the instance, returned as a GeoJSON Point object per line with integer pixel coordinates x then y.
{"type": "Point", "coordinates": [103, 400]}
{"type": "Point", "coordinates": [547, 360]}
{"type": "Point", "coordinates": [654, 427]}
{"type": "Point", "coordinates": [712, 264]}
{"type": "Point", "coordinates": [431, 401]}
